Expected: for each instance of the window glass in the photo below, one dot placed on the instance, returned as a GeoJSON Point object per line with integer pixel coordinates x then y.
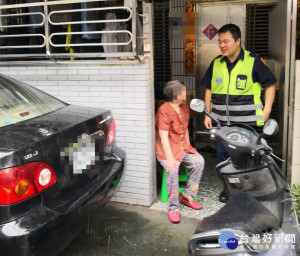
{"type": "Point", "coordinates": [19, 102]}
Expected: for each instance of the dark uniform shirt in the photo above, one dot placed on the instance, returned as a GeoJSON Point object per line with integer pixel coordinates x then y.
{"type": "Point", "coordinates": [261, 73]}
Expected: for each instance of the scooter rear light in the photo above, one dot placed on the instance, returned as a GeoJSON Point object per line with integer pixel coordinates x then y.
{"type": "Point", "coordinates": [111, 135]}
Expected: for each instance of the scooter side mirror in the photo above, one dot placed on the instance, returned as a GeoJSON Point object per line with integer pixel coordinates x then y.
{"type": "Point", "coordinates": [197, 105]}
{"type": "Point", "coordinates": [271, 127]}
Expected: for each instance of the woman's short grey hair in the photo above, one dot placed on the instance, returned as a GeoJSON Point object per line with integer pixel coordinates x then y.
{"type": "Point", "coordinates": [172, 88]}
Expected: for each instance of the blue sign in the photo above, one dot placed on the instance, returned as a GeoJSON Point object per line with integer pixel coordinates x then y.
{"type": "Point", "coordinates": [227, 240]}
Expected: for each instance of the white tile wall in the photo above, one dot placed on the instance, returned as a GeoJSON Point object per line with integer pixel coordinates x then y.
{"type": "Point", "coordinates": [131, 99]}
{"type": "Point", "coordinates": [125, 89]}
{"type": "Point", "coordinates": [296, 140]}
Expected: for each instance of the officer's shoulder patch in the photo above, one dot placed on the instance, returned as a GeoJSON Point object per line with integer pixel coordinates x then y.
{"type": "Point", "coordinates": [263, 61]}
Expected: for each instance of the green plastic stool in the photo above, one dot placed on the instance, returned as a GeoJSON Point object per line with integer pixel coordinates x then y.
{"type": "Point", "coordinates": [117, 179]}
{"type": "Point", "coordinates": [181, 178]}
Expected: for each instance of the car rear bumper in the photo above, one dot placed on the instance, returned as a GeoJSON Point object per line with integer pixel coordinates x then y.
{"type": "Point", "coordinates": [46, 231]}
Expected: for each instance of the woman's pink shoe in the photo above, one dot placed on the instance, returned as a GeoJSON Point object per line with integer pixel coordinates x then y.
{"type": "Point", "coordinates": [193, 204]}
{"type": "Point", "coordinates": [174, 216]}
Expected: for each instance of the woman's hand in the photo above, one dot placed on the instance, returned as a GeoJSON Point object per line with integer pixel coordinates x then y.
{"type": "Point", "coordinates": [164, 136]}
{"type": "Point", "coordinates": [171, 163]}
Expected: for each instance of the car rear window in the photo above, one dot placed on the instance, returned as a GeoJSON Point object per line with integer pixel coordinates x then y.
{"type": "Point", "coordinates": [19, 102]}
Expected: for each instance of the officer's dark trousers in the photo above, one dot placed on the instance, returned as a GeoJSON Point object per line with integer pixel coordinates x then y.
{"type": "Point", "coordinates": [221, 151]}
{"type": "Point", "coordinates": [222, 155]}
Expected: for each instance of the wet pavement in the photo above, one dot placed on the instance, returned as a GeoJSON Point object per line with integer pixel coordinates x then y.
{"type": "Point", "coordinates": [126, 230]}
{"type": "Point", "coordinates": [130, 230]}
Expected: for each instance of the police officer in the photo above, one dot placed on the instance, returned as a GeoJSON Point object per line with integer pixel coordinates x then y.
{"type": "Point", "coordinates": [233, 85]}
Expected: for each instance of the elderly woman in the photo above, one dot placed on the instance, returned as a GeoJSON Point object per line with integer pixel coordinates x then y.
{"type": "Point", "coordinates": [173, 147]}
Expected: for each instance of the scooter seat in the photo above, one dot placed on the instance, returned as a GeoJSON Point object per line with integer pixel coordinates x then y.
{"type": "Point", "coordinates": [242, 212]}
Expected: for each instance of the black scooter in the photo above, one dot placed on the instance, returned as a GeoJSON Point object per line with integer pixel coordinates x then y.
{"type": "Point", "coordinates": [257, 218]}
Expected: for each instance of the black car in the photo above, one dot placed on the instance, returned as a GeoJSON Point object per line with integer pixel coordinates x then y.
{"type": "Point", "coordinates": [58, 163]}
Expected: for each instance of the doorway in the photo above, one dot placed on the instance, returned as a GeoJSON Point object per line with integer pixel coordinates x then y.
{"type": "Point", "coordinates": [262, 33]}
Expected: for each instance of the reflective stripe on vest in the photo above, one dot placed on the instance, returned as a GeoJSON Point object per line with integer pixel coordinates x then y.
{"type": "Point", "coordinates": [237, 108]}
{"type": "Point", "coordinates": [239, 83]}
{"type": "Point", "coordinates": [238, 118]}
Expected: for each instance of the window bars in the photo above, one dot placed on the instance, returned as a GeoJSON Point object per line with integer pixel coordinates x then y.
{"type": "Point", "coordinates": [69, 31]}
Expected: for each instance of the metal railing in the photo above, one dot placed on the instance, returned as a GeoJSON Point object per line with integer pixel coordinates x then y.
{"type": "Point", "coordinates": [21, 15]}
{"type": "Point", "coordinates": [47, 48]}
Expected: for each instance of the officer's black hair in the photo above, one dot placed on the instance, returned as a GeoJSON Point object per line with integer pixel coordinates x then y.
{"type": "Point", "coordinates": [172, 88]}
{"type": "Point", "coordinates": [233, 29]}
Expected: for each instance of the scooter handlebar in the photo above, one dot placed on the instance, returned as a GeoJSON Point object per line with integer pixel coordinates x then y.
{"type": "Point", "coordinates": [203, 132]}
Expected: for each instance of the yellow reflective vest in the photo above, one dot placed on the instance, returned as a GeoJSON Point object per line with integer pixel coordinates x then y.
{"type": "Point", "coordinates": [235, 97]}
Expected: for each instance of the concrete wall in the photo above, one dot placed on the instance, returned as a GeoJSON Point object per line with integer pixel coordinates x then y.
{"type": "Point", "coordinates": [296, 141]}
{"type": "Point", "coordinates": [125, 89]}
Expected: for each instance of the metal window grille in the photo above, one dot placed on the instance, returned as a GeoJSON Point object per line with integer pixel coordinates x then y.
{"type": "Point", "coordinates": [257, 28]}
{"type": "Point", "coordinates": [162, 70]}
{"type": "Point", "coordinates": [39, 31]}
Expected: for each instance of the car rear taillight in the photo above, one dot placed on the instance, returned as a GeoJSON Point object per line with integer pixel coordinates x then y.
{"type": "Point", "coordinates": [15, 185]}
{"type": "Point", "coordinates": [21, 182]}
{"type": "Point", "coordinates": [111, 135]}
{"type": "Point", "coordinates": [42, 174]}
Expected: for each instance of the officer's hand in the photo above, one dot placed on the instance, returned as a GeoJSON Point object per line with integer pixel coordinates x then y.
{"type": "Point", "coordinates": [266, 115]}
{"type": "Point", "coordinates": [207, 122]}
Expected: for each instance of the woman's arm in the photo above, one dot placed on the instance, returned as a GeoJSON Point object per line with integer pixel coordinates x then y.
{"type": "Point", "coordinates": [164, 136]}
{"type": "Point", "coordinates": [187, 136]}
